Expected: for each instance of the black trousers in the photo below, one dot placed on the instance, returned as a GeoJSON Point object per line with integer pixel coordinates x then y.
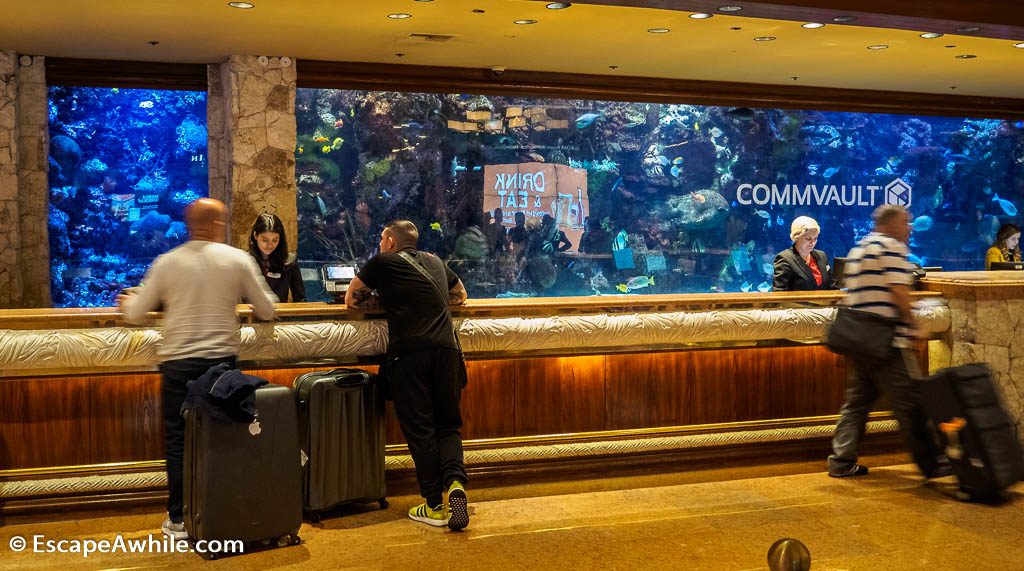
{"type": "Point", "coordinates": [426, 387]}
{"type": "Point", "coordinates": [898, 376]}
{"type": "Point", "coordinates": [175, 377]}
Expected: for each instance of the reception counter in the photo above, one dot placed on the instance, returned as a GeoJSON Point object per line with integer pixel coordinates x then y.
{"type": "Point", "coordinates": [552, 382]}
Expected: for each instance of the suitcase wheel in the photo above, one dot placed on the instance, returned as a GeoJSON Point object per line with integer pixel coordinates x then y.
{"type": "Point", "coordinates": [292, 539]}
{"type": "Point", "coordinates": [383, 503]}
{"type": "Point", "coordinates": [314, 516]}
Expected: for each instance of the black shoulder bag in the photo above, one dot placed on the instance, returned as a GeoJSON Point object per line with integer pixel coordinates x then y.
{"type": "Point", "coordinates": [861, 334]}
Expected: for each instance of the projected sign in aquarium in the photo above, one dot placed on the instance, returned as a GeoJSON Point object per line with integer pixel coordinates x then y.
{"type": "Point", "coordinates": [548, 197]}
{"type": "Point", "coordinates": [123, 165]}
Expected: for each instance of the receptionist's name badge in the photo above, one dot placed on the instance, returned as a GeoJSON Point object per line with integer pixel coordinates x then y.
{"type": "Point", "coordinates": [273, 275]}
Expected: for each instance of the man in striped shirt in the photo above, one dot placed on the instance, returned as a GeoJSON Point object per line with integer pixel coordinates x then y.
{"type": "Point", "coordinates": [879, 277]}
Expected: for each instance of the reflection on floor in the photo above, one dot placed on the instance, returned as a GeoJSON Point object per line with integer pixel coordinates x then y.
{"type": "Point", "coordinates": [886, 520]}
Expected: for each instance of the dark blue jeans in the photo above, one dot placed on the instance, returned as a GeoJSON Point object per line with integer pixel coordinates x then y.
{"type": "Point", "coordinates": [174, 383]}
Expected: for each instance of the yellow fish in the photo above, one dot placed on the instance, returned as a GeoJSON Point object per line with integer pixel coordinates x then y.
{"type": "Point", "coordinates": [696, 126]}
{"type": "Point", "coordinates": [622, 288]}
{"type": "Point", "coordinates": [320, 139]}
{"type": "Point", "coordinates": [325, 149]}
{"type": "Point", "coordinates": [435, 226]}
{"type": "Point", "coordinates": [301, 150]}
{"type": "Point", "coordinates": [337, 143]}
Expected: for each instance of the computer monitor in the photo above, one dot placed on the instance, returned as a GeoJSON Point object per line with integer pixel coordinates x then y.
{"type": "Point", "coordinates": [1006, 266]}
{"type": "Point", "coordinates": [839, 271]}
{"type": "Point", "coordinates": [336, 278]}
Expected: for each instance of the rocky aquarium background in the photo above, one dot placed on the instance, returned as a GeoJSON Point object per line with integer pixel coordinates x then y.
{"type": "Point", "coordinates": [123, 164]}
{"type": "Point", "coordinates": [662, 181]}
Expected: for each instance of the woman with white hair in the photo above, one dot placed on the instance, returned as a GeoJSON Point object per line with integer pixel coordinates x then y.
{"type": "Point", "coordinates": [802, 268]}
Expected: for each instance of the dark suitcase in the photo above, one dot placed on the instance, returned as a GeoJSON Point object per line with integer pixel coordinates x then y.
{"type": "Point", "coordinates": [341, 419]}
{"type": "Point", "coordinates": [242, 480]}
{"type": "Point", "coordinates": [979, 436]}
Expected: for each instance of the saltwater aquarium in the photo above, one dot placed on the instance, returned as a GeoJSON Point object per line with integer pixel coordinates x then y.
{"type": "Point", "coordinates": [554, 197]}
{"type": "Point", "coordinates": [123, 165]}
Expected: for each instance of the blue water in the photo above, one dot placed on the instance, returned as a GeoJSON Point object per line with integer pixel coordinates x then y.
{"type": "Point", "coordinates": [123, 164]}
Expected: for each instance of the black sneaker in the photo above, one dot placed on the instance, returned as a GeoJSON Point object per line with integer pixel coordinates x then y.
{"type": "Point", "coordinates": [854, 470]}
{"type": "Point", "coordinates": [941, 471]}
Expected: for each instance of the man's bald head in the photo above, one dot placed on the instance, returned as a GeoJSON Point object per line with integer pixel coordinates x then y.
{"type": "Point", "coordinates": [206, 219]}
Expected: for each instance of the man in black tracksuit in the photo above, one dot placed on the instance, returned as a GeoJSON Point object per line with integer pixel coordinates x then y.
{"type": "Point", "coordinates": [424, 367]}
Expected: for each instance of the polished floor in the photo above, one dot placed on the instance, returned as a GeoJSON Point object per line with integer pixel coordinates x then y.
{"type": "Point", "coordinates": [724, 519]}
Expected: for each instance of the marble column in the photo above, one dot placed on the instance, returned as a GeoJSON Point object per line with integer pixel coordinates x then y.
{"type": "Point", "coordinates": [988, 327]}
{"type": "Point", "coordinates": [10, 240]}
{"type": "Point", "coordinates": [251, 118]}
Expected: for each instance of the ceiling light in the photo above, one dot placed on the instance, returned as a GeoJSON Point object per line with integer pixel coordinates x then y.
{"type": "Point", "coordinates": [730, 8]}
{"type": "Point", "coordinates": [478, 11]}
{"type": "Point", "coordinates": [659, 30]}
{"type": "Point", "coordinates": [812, 25]}
{"type": "Point", "coordinates": [844, 19]}
{"type": "Point", "coordinates": [966, 56]}
{"type": "Point", "coordinates": [966, 29]}
{"type": "Point", "coordinates": [242, 5]}
{"type": "Point", "coordinates": [525, 22]}
{"type": "Point", "coordinates": [735, 28]}
{"type": "Point", "coordinates": [700, 16]}
{"type": "Point", "coordinates": [878, 47]}
{"type": "Point", "coordinates": [423, 0]}
{"type": "Point", "coordinates": [399, 16]}
{"type": "Point", "coordinates": [764, 38]}
{"type": "Point", "coordinates": [1019, 45]}
{"type": "Point", "coordinates": [558, 5]}
{"type": "Point", "coordinates": [950, 46]}
{"type": "Point", "coordinates": [931, 35]}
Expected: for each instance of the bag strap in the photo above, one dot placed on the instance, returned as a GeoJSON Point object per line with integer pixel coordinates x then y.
{"type": "Point", "coordinates": [444, 296]}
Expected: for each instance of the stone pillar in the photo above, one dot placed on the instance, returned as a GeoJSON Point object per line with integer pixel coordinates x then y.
{"type": "Point", "coordinates": [24, 191]}
{"type": "Point", "coordinates": [251, 118]}
{"type": "Point", "coordinates": [988, 327]}
{"type": "Point", "coordinates": [33, 182]}
{"type": "Point", "coordinates": [10, 231]}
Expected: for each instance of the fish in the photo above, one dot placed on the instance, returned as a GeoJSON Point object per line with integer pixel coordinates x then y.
{"type": "Point", "coordinates": [677, 161]}
{"type": "Point", "coordinates": [923, 223]}
{"type": "Point", "coordinates": [320, 204]}
{"type": "Point", "coordinates": [812, 169]}
{"type": "Point", "coordinates": [741, 113]}
{"type": "Point", "coordinates": [115, 90]}
{"type": "Point", "coordinates": [675, 171]}
{"type": "Point", "coordinates": [663, 161]}
{"type": "Point", "coordinates": [146, 104]}
{"type": "Point", "coordinates": [325, 149]}
{"type": "Point", "coordinates": [764, 287]}
{"type": "Point", "coordinates": [513, 294]}
{"type": "Point", "coordinates": [635, 283]}
{"type": "Point", "coordinates": [779, 221]}
{"type": "Point", "coordinates": [618, 181]}
{"type": "Point", "coordinates": [830, 172]}
{"type": "Point", "coordinates": [584, 121]}
{"type": "Point", "coordinates": [1008, 207]}
{"type": "Point", "coordinates": [768, 268]}
{"type": "Point", "coordinates": [385, 194]}
{"type": "Point", "coordinates": [339, 123]}
{"type": "Point", "coordinates": [301, 150]}
{"type": "Point", "coordinates": [696, 126]}
{"type": "Point", "coordinates": [747, 286]}
{"type": "Point", "coordinates": [436, 226]}
{"type": "Point", "coordinates": [337, 143]}
{"type": "Point", "coordinates": [694, 214]}
{"type": "Point", "coordinates": [536, 157]}
{"type": "Point", "coordinates": [716, 132]}
{"type": "Point", "coordinates": [763, 214]}
{"type": "Point", "coordinates": [320, 139]}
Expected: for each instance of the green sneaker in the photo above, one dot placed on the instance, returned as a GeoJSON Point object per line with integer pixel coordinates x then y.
{"type": "Point", "coordinates": [437, 517]}
{"type": "Point", "coordinates": [458, 507]}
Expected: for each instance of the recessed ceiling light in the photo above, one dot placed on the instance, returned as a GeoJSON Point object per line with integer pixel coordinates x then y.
{"type": "Point", "coordinates": [878, 47]}
{"type": "Point", "coordinates": [524, 22]}
{"type": "Point", "coordinates": [478, 11]}
{"type": "Point", "coordinates": [931, 35]}
{"type": "Point", "coordinates": [966, 29]}
{"type": "Point", "coordinates": [966, 56]}
{"type": "Point", "coordinates": [242, 5]}
{"type": "Point", "coordinates": [423, 0]}
{"type": "Point", "coordinates": [558, 5]}
{"type": "Point", "coordinates": [700, 16]}
{"type": "Point", "coordinates": [659, 30]}
{"type": "Point", "coordinates": [613, 67]}
{"type": "Point", "coordinates": [844, 19]}
{"type": "Point", "coordinates": [950, 46]}
{"type": "Point", "coordinates": [812, 25]}
{"type": "Point", "coordinates": [1019, 45]}
{"type": "Point", "coordinates": [764, 38]}
{"type": "Point", "coordinates": [735, 28]}
{"type": "Point", "coordinates": [730, 8]}
{"type": "Point", "coordinates": [399, 16]}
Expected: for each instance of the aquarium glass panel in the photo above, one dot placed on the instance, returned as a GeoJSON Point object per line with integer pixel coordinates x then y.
{"type": "Point", "coordinates": [123, 165]}
{"type": "Point", "coordinates": [554, 197]}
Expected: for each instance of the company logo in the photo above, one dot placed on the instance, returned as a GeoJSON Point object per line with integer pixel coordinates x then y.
{"type": "Point", "coordinates": [898, 192]}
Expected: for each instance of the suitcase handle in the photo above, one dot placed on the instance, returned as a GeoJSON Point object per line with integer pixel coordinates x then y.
{"type": "Point", "coordinates": [347, 375]}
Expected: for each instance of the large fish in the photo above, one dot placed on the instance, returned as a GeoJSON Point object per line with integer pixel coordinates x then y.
{"type": "Point", "coordinates": [699, 210]}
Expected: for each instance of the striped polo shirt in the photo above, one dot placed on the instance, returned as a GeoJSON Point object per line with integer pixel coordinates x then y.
{"type": "Point", "coordinates": [876, 264]}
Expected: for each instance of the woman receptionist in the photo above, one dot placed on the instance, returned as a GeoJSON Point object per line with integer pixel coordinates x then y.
{"type": "Point", "coordinates": [801, 267]}
{"type": "Point", "coordinates": [268, 246]}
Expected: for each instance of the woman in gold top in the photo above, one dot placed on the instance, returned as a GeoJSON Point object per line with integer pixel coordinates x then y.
{"type": "Point", "coordinates": [1007, 246]}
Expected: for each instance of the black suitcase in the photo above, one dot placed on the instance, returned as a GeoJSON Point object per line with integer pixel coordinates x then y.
{"type": "Point", "coordinates": [341, 420]}
{"type": "Point", "coordinates": [242, 480]}
{"type": "Point", "coordinates": [979, 436]}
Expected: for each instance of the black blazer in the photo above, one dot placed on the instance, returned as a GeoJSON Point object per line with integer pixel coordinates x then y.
{"type": "Point", "coordinates": [793, 274]}
{"type": "Point", "coordinates": [290, 278]}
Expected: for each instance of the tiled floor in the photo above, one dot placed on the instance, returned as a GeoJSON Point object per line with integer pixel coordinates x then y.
{"type": "Point", "coordinates": [887, 520]}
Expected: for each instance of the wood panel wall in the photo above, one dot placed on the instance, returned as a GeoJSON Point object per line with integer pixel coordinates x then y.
{"type": "Point", "coordinates": [65, 421]}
